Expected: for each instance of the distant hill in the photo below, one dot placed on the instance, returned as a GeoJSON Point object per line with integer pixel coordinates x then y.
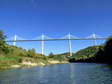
{"type": "Point", "coordinates": [95, 54]}
{"type": "Point", "coordinates": [84, 54]}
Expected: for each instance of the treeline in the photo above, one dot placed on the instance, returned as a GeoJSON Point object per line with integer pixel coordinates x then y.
{"type": "Point", "coordinates": [96, 54]}
{"type": "Point", "coordinates": [60, 57]}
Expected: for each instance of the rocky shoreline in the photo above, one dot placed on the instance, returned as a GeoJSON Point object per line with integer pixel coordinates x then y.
{"type": "Point", "coordinates": [30, 64]}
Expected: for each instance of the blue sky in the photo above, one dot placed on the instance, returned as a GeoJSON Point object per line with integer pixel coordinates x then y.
{"type": "Point", "coordinates": [56, 18]}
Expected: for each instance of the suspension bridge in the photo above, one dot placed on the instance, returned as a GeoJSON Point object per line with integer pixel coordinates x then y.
{"type": "Point", "coordinates": [44, 38]}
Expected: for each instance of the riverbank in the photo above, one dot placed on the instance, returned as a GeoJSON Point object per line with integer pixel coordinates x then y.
{"type": "Point", "coordinates": [31, 64]}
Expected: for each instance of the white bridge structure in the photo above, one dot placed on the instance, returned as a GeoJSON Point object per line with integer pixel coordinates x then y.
{"type": "Point", "coordinates": [44, 38]}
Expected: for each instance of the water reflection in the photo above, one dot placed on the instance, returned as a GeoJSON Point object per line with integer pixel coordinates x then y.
{"type": "Point", "coordinates": [72, 74]}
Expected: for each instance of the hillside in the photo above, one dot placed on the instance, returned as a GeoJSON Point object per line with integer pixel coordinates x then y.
{"type": "Point", "coordinates": [95, 54]}
{"type": "Point", "coordinates": [84, 54]}
{"type": "Point", "coordinates": [13, 56]}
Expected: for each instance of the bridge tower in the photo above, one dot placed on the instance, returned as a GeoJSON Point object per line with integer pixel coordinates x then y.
{"type": "Point", "coordinates": [94, 37]}
{"type": "Point", "coordinates": [42, 45]}
{"type": "Point", "coordinates": [70, 45]}
{"type": "Point", "coordinates": [15, 38]}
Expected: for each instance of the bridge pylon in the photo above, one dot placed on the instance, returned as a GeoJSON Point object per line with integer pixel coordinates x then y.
{"type": "Point", "coordinates": [15, 38]}
{"type": "Point", "coordinates": [94, 37]}
{"type": "Point", "coordinates": [70, 44]}
{"type": "Point", "coordinates": [42, 45]}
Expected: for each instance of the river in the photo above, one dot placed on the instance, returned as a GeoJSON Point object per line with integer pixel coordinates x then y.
{"type": "Point", "coordinates": [72, 73]}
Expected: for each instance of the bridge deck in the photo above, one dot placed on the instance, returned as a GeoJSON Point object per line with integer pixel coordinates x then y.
{"type": "Point", "coordinates": [55, 39]}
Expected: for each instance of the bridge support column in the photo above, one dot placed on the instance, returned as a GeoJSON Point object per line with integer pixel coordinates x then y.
{"type": "Point", "coordinates": [15, 38]}
{"type": "Point", "coordinates": [94, 36]}
{"type": "Point", "coordinates": [42, 45]}
{"type": "Point", "coordinates": [70, 46]}
{"type": "Point", "coordinates": [95, 42]}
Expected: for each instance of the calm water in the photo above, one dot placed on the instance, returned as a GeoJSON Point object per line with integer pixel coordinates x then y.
{"type": "Point", "coordinates": [73, 73]}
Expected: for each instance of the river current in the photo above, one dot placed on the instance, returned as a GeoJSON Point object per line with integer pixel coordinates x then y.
{"type": "Point", "coordinates": [72, 73]}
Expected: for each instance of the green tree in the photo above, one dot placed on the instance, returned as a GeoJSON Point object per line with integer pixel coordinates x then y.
{"type": "Point", "coordinates": [51, 55]}
{"type": "Point", "coordinates": [108, 50]}
{"type": "Point", "coordinates": [3, 45]}
{"type": "Point", "coordinates": [31, 53]}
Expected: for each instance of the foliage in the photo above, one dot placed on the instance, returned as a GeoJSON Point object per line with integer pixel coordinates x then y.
{"type": "Point", "coordinates": [10, 55]}
{"type": "Point", "coordinates": [31, 53]}
{"type": "Point", "coordinates": [51, 55]}
{"type": "Point", "coordinates": [86, 53]}
{"type": "Point", "coordinates": [59, 57]}
{"type": "Point", "coordinates": [96, 54]}
{"type": "Point", "coordinates": [3, 45]}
